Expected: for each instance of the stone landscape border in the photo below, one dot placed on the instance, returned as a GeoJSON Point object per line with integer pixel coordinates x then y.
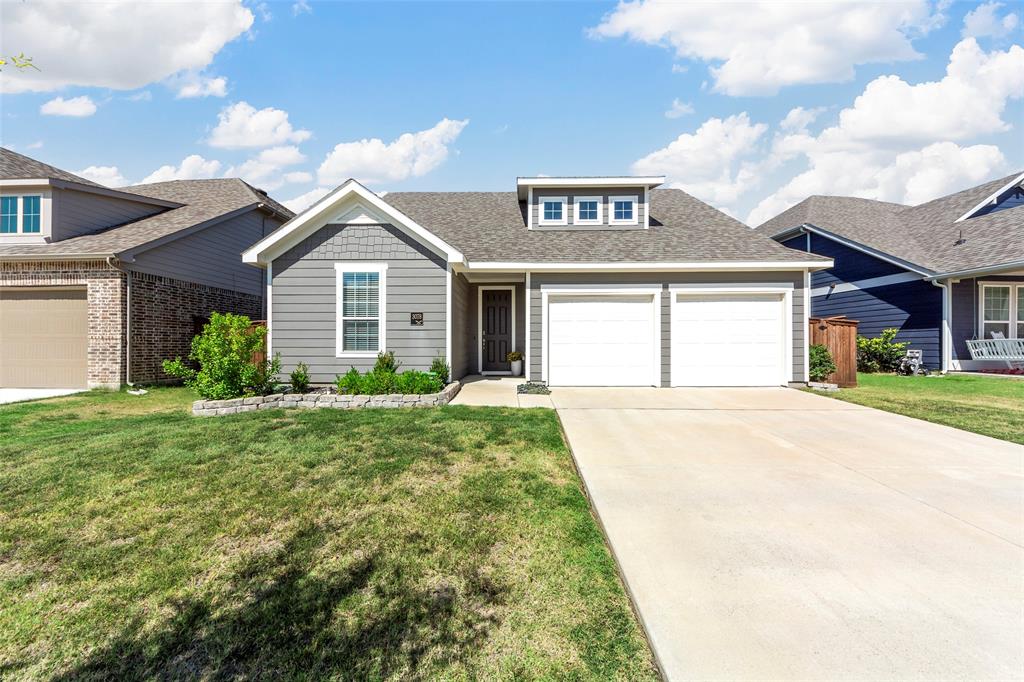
{"type": "Point", "coordinates": [219, 408]}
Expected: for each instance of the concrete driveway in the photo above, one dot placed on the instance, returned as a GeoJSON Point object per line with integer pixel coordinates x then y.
{"type": "Point", "coordinates": [774, 534]}
{"type": "Point", "coordinates": [17, 395]}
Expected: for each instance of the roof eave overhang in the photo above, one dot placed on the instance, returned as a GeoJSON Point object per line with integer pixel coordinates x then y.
{"type": "Point", "coordinates": [317, 215]}
{"type": "Point", "coordinates": [627, 266]}
{"type": "Point", "coordinates": [976, 272]}
{"type": "Point", "coordinates": [90, 189]}
{"type": "Point", "coordinates": [853, 244]}
{"type": "Point", "coordinates": [524, 184]}
{"type": "Point", "coordinates": [49, 258]}
{"type": "Point", "coordinates": [992, 198]}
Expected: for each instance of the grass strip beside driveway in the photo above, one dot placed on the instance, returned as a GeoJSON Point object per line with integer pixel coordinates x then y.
{"type": "Point", "coordinates": [139, 542]}
{"type": "Point", "coordinates": [991, 406]}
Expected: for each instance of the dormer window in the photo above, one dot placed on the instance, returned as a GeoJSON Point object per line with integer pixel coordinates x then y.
{"type": "Point", "coordinates": [21, 214]}
{"type": "Point", "coordinates": [588, 210]}
{"type": "Point", "coordinates": [623, 210]}
{"type": "Point", "coordinates": [552, 211]}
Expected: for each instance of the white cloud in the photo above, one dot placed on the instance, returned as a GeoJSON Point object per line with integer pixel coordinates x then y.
{"type": "Point", "coordinates": [76, 106]}
{"type": "Point", "coordinates": [798, 119]}
{"type": "Point", "coordinates": [301, 7]}
{"type": "Point", "coordinates": [304, 201]}
{"type": "Point", "coordinates": [373, 160]}
{"type": "Point", "coordinates": [38, 144]}
{"type": "Point", "coordinates": [709, 163]}
{"type": "Point", "coordinates": [938, 169]}
{"type": "Point", "coordinates": [105, 175]}
{"type": "Point", "coordinates": [984, 21]}
{"type": "Point", "coordinates": [141, 96]}
{"type": "Point", "coordinates": [193, 85]}
{"type": "Point", "coordinates": [240, 125]}
{"type": "Point", "coordinates": [266, 168]}
{"type": "Point", "coordinates": [757, 48]}
{"type": "Point", "coordinates": [191, 168]}
{"type": "Point", "coordinates": [679, 109]}
{"type": "Point", "coordinates": [121, 45]}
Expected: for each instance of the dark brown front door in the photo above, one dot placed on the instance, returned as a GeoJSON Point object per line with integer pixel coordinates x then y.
{"type": "Point", "coordinates": [497, 329]}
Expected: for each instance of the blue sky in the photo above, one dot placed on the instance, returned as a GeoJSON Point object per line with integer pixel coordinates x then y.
{"type": "Point", "coordinates": [773, 102]}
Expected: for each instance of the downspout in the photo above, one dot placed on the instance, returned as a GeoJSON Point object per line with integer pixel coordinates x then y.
{"type": "Point", "coordinates": [111, 260]}
{"type": "Point", "coordinates": [946, 348]}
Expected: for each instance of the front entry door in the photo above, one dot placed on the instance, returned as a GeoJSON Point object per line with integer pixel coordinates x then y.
{"type": "Point", "coordinates": [496, 328]}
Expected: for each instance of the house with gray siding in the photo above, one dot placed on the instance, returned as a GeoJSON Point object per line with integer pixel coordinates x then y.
{"type": "Point", "coordinates": [98, 286]}
{"type": "Point", "coordinates": [948, 274]}
{"type": "Point", "coordinates": [596, 281]}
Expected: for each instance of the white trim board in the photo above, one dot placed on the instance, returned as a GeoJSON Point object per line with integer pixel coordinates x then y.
{"type": "Point", "coordinates": [480, 324]}
{"type": "Point", "coordinates": [730, 266]}
{"type": "Point", "coordinates": [869, 283]}
{"type": "Point", "coordinates": [341, 267]}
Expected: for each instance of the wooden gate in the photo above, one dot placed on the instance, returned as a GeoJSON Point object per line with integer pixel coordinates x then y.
{"type": "Point", "coordinates": [839, 335]}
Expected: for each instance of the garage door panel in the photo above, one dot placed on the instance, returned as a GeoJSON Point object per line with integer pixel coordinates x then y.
{"type": "Point", "coordinates": [728, 340]}
{"type": "Point", "coordinates": [43, 338]}
{"type": "Point", "coordinates": [601, 340]}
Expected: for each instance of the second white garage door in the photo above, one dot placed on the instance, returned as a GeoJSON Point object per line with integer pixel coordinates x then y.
{"type": "Point", "coordinates": [729, 339]}
{"type": "Point", "coordinates": [602, 340]}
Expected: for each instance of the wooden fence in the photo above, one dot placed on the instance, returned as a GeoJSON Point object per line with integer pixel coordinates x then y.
{"type": "Point", "coordinates": [260, 356]}
{"type": "Point", "coordinates": [839, 335]}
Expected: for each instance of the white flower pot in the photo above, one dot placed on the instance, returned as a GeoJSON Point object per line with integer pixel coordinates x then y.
{"type": "Point", "coordinates": [517, 367]}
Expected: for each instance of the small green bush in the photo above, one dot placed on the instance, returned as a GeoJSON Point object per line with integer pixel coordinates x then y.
{"type": "Point", "coordinates": [821, 363]}
{"type": "Point", "coordinates": [300, 378]}
{"type": "Point", "coordinates": [439, 367]}
{"type": "Point", "coordinates": [881, 354]}
{"type": "Point", "coordinates": [412, 382]}
{"type": "Point", "coordinates": [386, 362]}
{"type": "Point", "coordinates": [224, 354]}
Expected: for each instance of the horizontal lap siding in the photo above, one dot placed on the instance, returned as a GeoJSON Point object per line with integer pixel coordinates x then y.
{"type": "Point", "coordinates": [570, 208]}
{"type": "Point", "coordinates": [850, 265]}
{"type": "Point", "coordinates": [965, 302]}
{"type": "Point", "coordinates": [304, 323]}
{"type": "Point", "coordinates": [664, 280]}
{"type": "Point", "coordinates": [462, 335]}
{"type": "Point", "coordinates": [76, 213]}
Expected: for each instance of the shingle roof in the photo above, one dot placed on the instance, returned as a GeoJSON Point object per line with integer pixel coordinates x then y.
{"type": "Point", "coordinates": [204, 200]}
{"type": "Point", "coordinates": [15, 166]}
{"type": "Point", "coordinates": [926, 235]}
{"type": "Point", "coordinates": [491, 226]}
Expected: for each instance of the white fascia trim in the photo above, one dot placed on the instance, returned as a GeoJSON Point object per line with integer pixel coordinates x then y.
{"type": "Point", "coordinates": [869, 283]}
{"type": "Point", "coordinates": [992, 198]}
{"type": "Point", "coordinates": [576, 220]}
{"type": "Point", "coordinates": [987, 270]}
{"type": "Point", "coordinates": [480, 323]}
{"type": "Point", "coordinates": [526, 183]}
{"type": "Point", "coordinates": [341, 267]}
{"type": "Point", "coordinates": [857, 246]}
{"type": "Point", "coordinates": [565, 211]}
{"type": "Point", "coordinates": [616, 288]}
{"type": "Point", "coordinates": [41, 182]}
{"type": "Point", "coordinates": [528, 344]}
{"type": "Point", "coordinates": [807, 322]}
{"type": "Point", "coordinates": [270, 314]}
{"type": "Point", "coordinates": [725, 266]}
{"type": "Point", "coordinates": [260, 252]}
{"type": "Point", "coordinates": [448, 317]}
{"type": "Point", "coordinates": [529, 210]}
{"type": "Point", "coordinates": [738, 288]}
{"type": "Point", "coordinates": [635, 220]}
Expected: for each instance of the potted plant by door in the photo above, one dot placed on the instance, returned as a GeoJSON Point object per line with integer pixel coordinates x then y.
{"type": "Point", "coordinates": [515, 358]}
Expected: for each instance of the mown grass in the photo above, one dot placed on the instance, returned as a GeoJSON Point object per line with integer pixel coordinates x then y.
{"type": "Point", "coordinates": [991, 406]}
{"type": "Point", "coordinates": [138, 542]}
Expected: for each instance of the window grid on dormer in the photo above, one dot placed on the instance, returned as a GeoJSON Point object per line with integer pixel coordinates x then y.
{"type": "Point", "coordinates": [552, 211]}
{"type": "Point", "coordinates": [622, 210]}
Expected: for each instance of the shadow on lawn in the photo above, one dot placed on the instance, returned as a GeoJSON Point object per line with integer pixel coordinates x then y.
{"type": "Point", "coordinates": [279, 620]}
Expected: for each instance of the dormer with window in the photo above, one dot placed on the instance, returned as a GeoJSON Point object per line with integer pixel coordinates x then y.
{"type": "Point", "coordinates": [24, 215]}
{"type": "Point", "coordinates": [587, 203]}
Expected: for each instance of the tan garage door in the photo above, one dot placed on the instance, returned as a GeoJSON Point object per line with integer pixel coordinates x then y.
{"type": "Point", "coordinates": [43, 338]}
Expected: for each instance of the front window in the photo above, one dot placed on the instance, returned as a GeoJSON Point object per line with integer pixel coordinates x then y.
{"type": "Point", "coordinates": [995, 314]}
{"type": "Point", "coordinates": [623, 209]}
{"type": "Point", "coordinates": [361, 305]}
{"type": "Point", "coordinates": [30, 214]}
{"type": "Point", "coordinates": [8, 215]}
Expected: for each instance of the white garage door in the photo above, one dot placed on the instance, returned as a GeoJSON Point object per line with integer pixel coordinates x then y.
{"type": "Point", "coordinates": [601, 340]}
{"type": "Point", "coordinates": [729, 340]}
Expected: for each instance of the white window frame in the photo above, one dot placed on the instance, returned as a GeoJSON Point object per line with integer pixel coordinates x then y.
{"type": "Point", "coordinates": [21, 214]}
{"type": "Point", "coordinates": [1015, 317]}
{"type": "Point", "coordinates": [340, 269]}
{"type": "Point", "coordinates": [540, 211]}
{"type": "Point", "coordinates": [17, 215]}
{"type": "Point", "coordinates": [576, 201]}
{"type": "Point", "coordinates": [635, 220]}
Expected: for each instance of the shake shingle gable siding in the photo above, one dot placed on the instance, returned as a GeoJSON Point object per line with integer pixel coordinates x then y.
{"type": "Point", "coordinates": [304, 307]}
{"type": "Point", "coordinates": [491, 226]}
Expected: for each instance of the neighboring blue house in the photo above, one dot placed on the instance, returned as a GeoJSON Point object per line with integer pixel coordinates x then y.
{"type": "Point", "coordinates": [944, 273]}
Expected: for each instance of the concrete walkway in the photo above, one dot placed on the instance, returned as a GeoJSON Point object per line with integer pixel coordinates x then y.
{"type": "Point", "coordinates": [497, 391]}
{"type": "Point", "coordinates": [17, 395]}
{"type": "Point", "coordinates": [775, 534]}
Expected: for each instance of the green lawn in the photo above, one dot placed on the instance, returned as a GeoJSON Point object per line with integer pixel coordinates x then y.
{"type": "Point", "coordinates": [992, 406]}
{"type": "Point", "coordinates": [139, 542]}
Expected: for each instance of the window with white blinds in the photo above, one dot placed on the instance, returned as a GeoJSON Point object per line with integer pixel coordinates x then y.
{"type": "Point", "coordinates": [361, 317]}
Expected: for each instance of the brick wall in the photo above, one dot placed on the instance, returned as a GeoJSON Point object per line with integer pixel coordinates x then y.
{"type": "Point", "coordinates": [107, 296]}
{"type": "Point", "coordinates": [164, 313]}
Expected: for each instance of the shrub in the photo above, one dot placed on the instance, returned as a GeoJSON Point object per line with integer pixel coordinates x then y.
{"type": "Point", "coordinates": [383, 382]}
{"type": "Point", "coordinates": [224, 354]}
{"type": "Point", "coordinates": [439, 367]}
{"type": "Point", "coordinates": [821, 363]}
{"type": "Point", "coordinates": [513, 356]}
{"type": "Point", "coordinates": [300, 378]}
{"type": "Point", "coordinates": [880, 354]}
{"type": "Point", "coordinates": [386, 362]}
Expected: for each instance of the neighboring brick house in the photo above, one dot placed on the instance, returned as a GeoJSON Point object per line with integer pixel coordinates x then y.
{"type": "Point", "coordinates": [99, 285]}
